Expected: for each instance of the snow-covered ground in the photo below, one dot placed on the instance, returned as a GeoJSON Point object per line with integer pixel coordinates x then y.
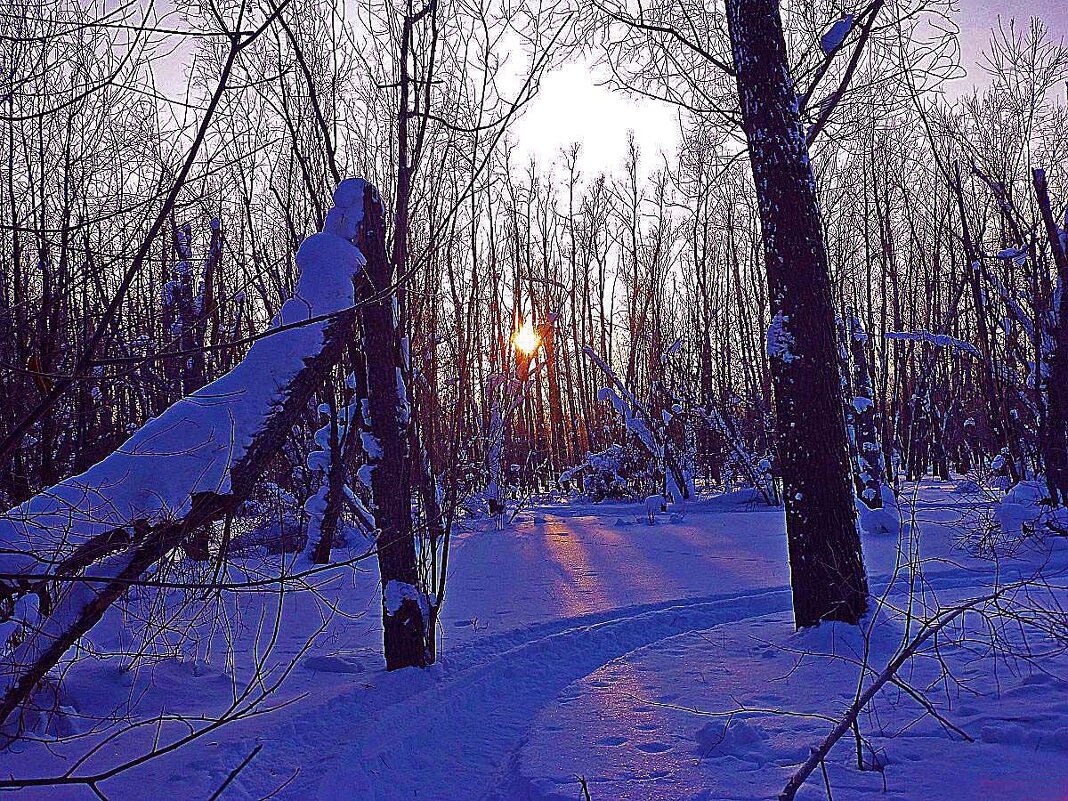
{"type": "Point", "coordinates": [653, 662]}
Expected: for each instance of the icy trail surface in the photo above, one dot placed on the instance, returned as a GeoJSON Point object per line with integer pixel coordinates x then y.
{"type": "Point", "coordinates": [582, 642]}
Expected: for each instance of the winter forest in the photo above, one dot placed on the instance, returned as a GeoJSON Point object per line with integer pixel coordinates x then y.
{"type": "Point", "coordinates": [357, 443]}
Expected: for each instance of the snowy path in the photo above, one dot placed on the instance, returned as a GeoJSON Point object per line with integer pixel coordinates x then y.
{"type": "Point", "coordinates": [460, 733]}
{"type": "Point", "coordinates": [662, 722]}
{"type": "Point", "coordinates": [473, 725]}
{"type": "Point", "coordinates": [562, 638]}
{"type": "Point", "coordinates": [533, 609]}
{"type": "Point", "coordinates": [468, 735]}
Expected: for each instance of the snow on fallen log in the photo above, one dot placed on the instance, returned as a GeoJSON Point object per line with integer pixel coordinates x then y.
{"type": "Point", "coordinates": [181, 470]}
{"type": "Point", "coordinates": [941, 340]}
{"type": "Point", "coordinates": [190, 448]}
{"type": "Point", "coordinates": [836, 34]}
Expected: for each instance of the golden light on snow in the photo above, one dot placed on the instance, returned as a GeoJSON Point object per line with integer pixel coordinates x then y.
{"type": "Point", "coordinates": [526, 339]}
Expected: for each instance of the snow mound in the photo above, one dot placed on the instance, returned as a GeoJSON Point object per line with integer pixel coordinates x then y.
{"type": "Point", "coordinates": [886, 520]}
{"type": "Point", "coordinates": [1026, 508]}
{"type": "Point", "coordinates": [342, 662]}
{"type": "Point", "coordinates": [968, 486]}
{"type": "Point", "coordinates": [737, 737]}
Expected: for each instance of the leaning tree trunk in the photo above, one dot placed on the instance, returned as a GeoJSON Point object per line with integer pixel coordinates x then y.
{"type": "Point", "coordinates": [826, 563]}
{"type": "Point", "coordinates": [404, 604]}
{"type": "Point", "coordinates": [101, 569]}
{"type": "Point", "coordinates": [81, 602]}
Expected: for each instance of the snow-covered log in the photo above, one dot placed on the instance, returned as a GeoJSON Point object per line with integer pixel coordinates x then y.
{"type": "Point", "coordinates": [940, 340]}
{"type": "Point", "coordinates": [181, 470]}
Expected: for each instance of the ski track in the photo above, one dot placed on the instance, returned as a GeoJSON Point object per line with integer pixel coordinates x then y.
{"type": "Point", "coordinates": [476, 717]}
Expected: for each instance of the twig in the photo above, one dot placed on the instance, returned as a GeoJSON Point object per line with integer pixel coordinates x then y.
{"type": "Point", "coordinates": [234, 773]}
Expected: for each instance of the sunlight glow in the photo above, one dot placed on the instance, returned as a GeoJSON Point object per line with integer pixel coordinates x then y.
{"type": "Point", "coordinates": [526, 339]}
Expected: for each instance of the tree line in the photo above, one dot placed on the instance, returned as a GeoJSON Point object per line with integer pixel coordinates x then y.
{"type": "Point", "coordinates": [835, 245]}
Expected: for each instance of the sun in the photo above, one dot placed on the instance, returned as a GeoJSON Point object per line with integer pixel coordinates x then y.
{"type": "Point", "coordinates": [526, 339]}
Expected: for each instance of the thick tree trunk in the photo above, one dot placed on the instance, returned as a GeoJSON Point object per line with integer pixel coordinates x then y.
{"type": "Point", "coordinates": [826, 563]}
{"type": "Point", "coordinates": [404, 605]}
{"type": "Point", "coordinates": [1054, 439]}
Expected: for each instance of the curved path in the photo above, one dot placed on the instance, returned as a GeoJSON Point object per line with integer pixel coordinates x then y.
{"type": "Point", "coordinates": [456, 732]}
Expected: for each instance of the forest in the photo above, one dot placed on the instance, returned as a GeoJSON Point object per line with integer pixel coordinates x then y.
{"type": "Point", "coordinates": [351, 448]}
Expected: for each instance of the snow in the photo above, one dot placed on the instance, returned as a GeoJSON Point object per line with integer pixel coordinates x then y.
{"type": "Point", "coordinates": [656, 724]}
{"type": "Point", "coordinates": [1025, 506]}
{"type": "Point", "coordinates": [655, 662]}
{"type": "Point", "coordinates": [191, 447]}
{"type": "Point", "coordinates": [780, 340]}
{"type": "Point", "coordinates": [638, 427]}
{"type": "Point", "coordinates": [397, 592]}
{"type": "Point", "coordinates": [634, 422]}
{"type": "Point", "coordinates": [882, 521]}
{"type": "Point", "coordinates": [862, 404]}
{"type": "Point", "coordinates": [363, 475]}
{"type": "Point", "coordinates": [836, 34]}
{"type": "Point", "coordinates": [941, 340]}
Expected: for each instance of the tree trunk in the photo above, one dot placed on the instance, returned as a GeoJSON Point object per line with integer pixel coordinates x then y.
{"type": "Point", "coordinates": [403, 602]}
{"type": "Point", "coordinates": [332, 490]}
{"type": "Point", "coordinates": [996, 406]}
{"type": "Point", "coordinates": [869, 468]}
{"type": "Point", "coordinates": [1054, 441]}
{"type": "Point", "coordinates": [826, 563]}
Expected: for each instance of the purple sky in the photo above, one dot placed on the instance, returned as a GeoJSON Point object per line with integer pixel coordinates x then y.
{"type": "Point", "coordinates": [571, 107]}
{"type": "Point", "coordinates": [977, 17]}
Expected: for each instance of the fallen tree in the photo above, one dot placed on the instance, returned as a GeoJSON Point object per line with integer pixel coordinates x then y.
{"type": "Point", "coordinates": [79, 545]}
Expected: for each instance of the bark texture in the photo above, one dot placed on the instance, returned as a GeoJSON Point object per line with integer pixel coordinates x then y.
{"type": "Point", "coordinates": [404, 627]}
{"type": "Point", "coordinates": [826, 564]}
{"type": "Point", "coordinates": [1054, 440]}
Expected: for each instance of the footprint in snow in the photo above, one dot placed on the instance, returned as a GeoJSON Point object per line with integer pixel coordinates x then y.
{"type": "Point", "coordinates": [736, 738]}
{"type": "Point", "coordinates": [653, 747]}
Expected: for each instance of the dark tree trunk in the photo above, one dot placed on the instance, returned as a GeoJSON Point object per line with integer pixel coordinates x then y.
{"type": "Point", "coordinates": [826, 563]}
{"type": "Point", "coordinates": [1054, 441]}
{"type": "Point", "coordinates": [403, 623]}
{"type": "Point", "coordinates": [869, 468]}
{"type": "Point", "coordinates": [330, 524]}
{"type": "Point", "coordinates": [996, 406]}
{"type": "Point", "coordinates": [559, 451]}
